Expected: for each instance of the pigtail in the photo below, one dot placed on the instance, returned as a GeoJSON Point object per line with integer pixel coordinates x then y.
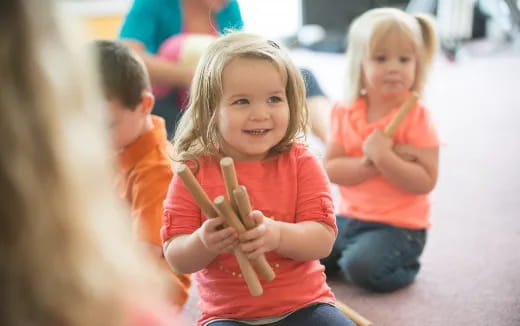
{"type": "Point", "coordinates": [429, 37]}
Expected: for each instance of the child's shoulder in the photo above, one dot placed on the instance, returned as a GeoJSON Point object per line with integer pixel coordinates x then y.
{"type": "Point", "coordinates": [300, 151]}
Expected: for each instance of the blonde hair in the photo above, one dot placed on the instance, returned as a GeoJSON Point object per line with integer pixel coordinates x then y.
{"type": "Point", "coordinates": [65, 240]}
{"type": "Point", "coordinates": [197, 133]}
{"type": "Point", "coordinates": [371, 27]}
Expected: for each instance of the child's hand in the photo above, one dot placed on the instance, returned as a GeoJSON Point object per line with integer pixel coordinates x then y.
{"type": "Point", "coordinates": [376, 144]}
{"type": "Point", "coordinates": [217, 240]}
{"type": "Point", "coordinates": [263, 238]}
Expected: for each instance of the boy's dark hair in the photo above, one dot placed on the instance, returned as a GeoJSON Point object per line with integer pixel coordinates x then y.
{"type": "Point", "coordinates": [122, 73]}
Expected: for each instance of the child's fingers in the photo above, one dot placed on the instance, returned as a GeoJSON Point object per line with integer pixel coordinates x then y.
{"type": "Point", "coordinates": [230, 246]}
{"type": "Point", "coordinates": [214, 223]}
{"type": "Point", "coordinates": [257, 217]}
{"type": "Point", "coordinates": [257, 231]}
{"type": "Point", "coordinates": [227, 244]}
{"type": "Point", "coordinates": [254, 233]}
{"type": "Point", "coordinates": [226, 233]}
{"type": "Point", "coordinates": [255, 253]}
{"type": "Point", "coordinates": [252, 245]}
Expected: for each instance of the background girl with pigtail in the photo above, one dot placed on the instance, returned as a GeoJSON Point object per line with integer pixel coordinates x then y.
{"type": "Point", "coordinates": [384, 209]}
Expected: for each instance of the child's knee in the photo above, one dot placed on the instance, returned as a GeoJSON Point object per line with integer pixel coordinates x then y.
{"type": "Point", "coordinates": [366, 271]}
{"type": "Point", "coordinates": [357, 267]}
{"type": "Point", "coordinates": [378, 275]}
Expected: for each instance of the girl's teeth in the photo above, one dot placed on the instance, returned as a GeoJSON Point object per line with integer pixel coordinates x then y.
{"type": "Point", "coordinates": [257, 132]}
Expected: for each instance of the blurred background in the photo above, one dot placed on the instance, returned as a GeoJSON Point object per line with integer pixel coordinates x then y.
{"type": "Point", "coordinates": [322, 25]}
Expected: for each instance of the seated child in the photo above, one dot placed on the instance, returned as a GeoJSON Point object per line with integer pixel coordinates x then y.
{"type": "Point", "coordinates": [384, 211]}
{"type": "Point", "coordinates": [247, 102]}
{"type": "Point", "coordinates": [140, 139]}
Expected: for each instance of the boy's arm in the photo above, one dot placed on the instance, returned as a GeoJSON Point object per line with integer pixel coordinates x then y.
{"type": "Point", "coordinates": [344, 170]}
{"type": "Point", "coordinates": [149, 189]}
{"type": "Point", "coordinates": [418, 176]}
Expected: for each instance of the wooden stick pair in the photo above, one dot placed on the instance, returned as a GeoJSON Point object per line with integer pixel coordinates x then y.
{"type": "Point", "coordinates": [240, 203]}
{"type": "Point", "coordinates": [392, 125]}
{"type": "Point", "coordinates": [224, 209]}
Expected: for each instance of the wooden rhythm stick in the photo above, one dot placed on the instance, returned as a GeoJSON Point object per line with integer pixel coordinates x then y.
{"type": "Point", "coordinates": [230, 180]}
{"type": "Point", "coordinates": [244, 208]}
{"type": "Point", "coordinates": [253, 284]}
{"type": "Point", "coordinates": [353, 315]}
{"type": "Point", "coordinates": [394, 123]}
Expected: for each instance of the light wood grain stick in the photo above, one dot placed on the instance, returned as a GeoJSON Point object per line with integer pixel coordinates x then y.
{"type": "Point", "coordinates": [230, 179]}
{"type": "Point", "coordinates": [353, 315]}
{"type": "Point", "coordinates": [250, 277]}
{"type": "Point", "coordinates": [394, 123]}
{"type": "Point", "coordinates": [244, 208]}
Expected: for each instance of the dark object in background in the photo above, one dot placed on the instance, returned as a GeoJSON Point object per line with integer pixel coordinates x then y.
{"type": "Point", "coordinates": [335, 17]}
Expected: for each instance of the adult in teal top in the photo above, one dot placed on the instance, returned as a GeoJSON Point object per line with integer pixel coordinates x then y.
{"type": "Point", "coordinates": [153, 21]}
{"type": "Point", "coordinates": [150, 22]}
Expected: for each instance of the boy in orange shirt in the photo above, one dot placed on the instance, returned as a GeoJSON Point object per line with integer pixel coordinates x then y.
{"type": "Point", "coordinates": [140, 138]}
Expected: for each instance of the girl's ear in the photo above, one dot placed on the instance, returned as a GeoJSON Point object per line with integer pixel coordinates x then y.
{"type": "Point", "coordinates": [147, 102]}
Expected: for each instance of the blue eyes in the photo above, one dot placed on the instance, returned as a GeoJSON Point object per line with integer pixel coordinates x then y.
{"type": "Point", "coordinates": [244, 101]}
{"type": "Point", "coordinates": [274, 99]}
{"type": "Point", "coordinates": [241, 101]}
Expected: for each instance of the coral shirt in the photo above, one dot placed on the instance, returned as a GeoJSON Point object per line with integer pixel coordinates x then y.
{"type": "Point", "coordinates": [144, 175]}
{"type": "Point", "coordinates": [377, 199]}
{"type": "Point", "coordinates": [292, 188]}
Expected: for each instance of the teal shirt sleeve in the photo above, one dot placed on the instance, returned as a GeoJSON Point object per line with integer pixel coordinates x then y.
{"type": "Point", "coordinates": [151, 22]}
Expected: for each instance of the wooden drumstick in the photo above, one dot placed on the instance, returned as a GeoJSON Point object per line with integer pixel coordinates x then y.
{"type": "Point", "coordinates": [230, 179]}
{"type": "Point", "coordinates": [353, 315]}
{"type": "Point", "coordinates": [394, 123]}
{"type": "Point", "coordinates": [196, 190]}
{"type": "Point", "coordinates": [252, 281]}
{"type": "Point", "coordinates": [225, 210]}
{"type": "Point", "coordinates": [244, 208]}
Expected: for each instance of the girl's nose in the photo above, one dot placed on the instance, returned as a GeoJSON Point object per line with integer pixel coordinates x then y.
{"type": "Point", "coordinates": [393, 65]}
{"type": "Point", "coordinates": [260, 112]}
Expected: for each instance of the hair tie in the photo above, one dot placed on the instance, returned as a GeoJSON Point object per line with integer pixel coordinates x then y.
{"type": "Point", "coordinates": [273, 44]}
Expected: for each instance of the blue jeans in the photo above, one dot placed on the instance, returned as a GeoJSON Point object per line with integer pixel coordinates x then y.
{"type": "Point", "coordinates": [375, 256]}
{"type": "Point", "coordinates": [321, 314]}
